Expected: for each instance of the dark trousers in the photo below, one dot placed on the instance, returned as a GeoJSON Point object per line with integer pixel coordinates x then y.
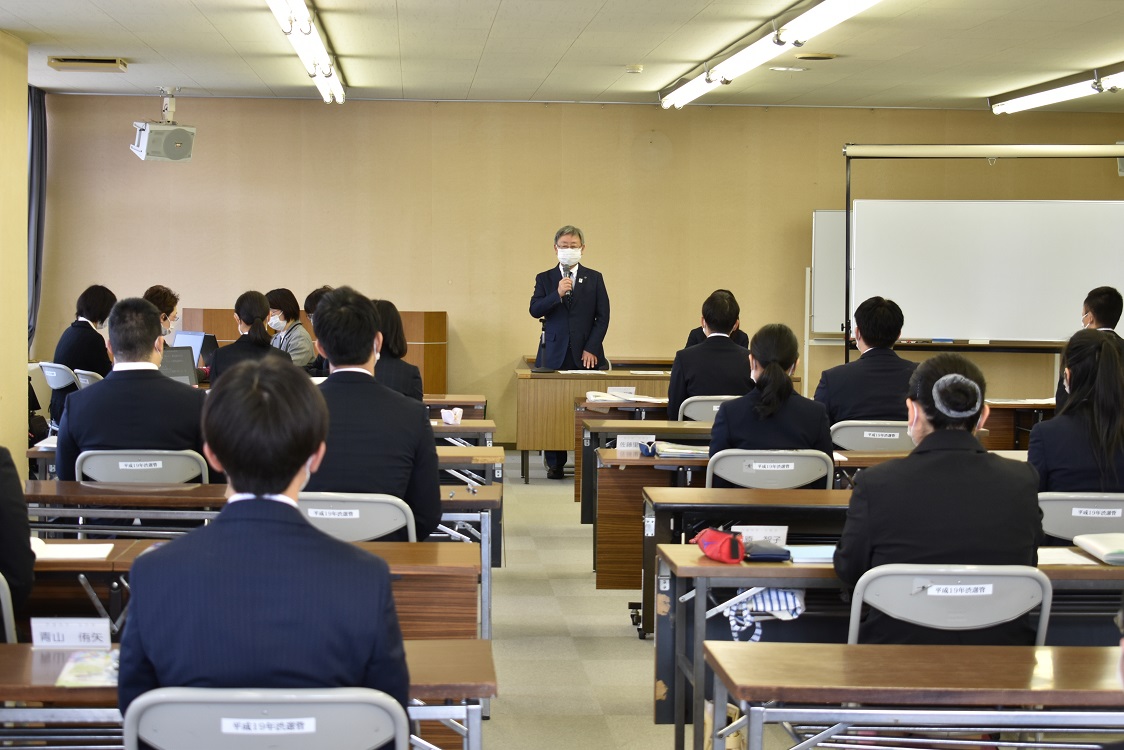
{"type": "Point", "coordinates": [557, 459]}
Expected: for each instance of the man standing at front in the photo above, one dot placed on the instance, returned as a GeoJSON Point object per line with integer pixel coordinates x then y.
{"type": "Point", "coordinates": [571, 301]}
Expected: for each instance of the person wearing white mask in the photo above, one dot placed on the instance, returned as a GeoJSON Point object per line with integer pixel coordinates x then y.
{"type": "Point", "coordinates": [168, 303]}
{"type": "Point", "coordinates": [1100, 311]}
{"type": "Point", "coordinates": [571, 302]}
{"type": "Point", "coordinates": [81, 347]}
{"type": "Point", "coordinates": [291, 336]}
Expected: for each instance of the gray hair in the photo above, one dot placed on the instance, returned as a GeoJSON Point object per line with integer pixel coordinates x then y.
{"type": "Point", "coordinates": [568, 229]}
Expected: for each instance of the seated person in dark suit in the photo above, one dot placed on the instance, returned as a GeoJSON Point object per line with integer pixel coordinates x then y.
{"type": "Point", "coordinates": [874, 386]}
{"type": "Point", "coordinates": [390, 369]}
{"type": "Point", "coordinates": [135, 406]}
{"type": "Point", "coordinates": [1082, 448]}
{"type": "Point", "coordinates": [1100, 311]}
{"type": "Point", "coordinates": [378, 440]}
{"type": "Point", "coordinates": [17, 561]}
{"type": "Point", "coordinates": [81, 347]}
{"type": "Point", "coordinates": [715, 367]}
{"type": "Point", "coordinates": [318, 367]}
{"type": "Point", "coordinates": [772, 416]}
{"type": "Point", "coordinates": [949, 501]}
{"type": "Point", "coordinates": [251, 310]}
{"type": "Point", "coordinates": [259, 598]}
{"type": "Point", "coordinates": [737, 335]}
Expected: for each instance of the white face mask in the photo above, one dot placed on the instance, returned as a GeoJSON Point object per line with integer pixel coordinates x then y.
{"type": "Point", "coordinates": [100, 326]}
{"type": "Point", "coordinates": [307, 474]}
{"type": "Point", "coordinates": [167, 331]}
{"type": "Point", "coordinates": [569, 256]}
{"type": "Point", "coordinates": [276, 323]}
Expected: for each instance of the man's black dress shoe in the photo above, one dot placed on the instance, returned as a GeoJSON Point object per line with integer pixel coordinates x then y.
{"type": "Point", "coordinates": [555, 473]}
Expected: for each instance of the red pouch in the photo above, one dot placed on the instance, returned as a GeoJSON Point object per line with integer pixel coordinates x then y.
{"type": "Point", "coordinates": [723, 546]}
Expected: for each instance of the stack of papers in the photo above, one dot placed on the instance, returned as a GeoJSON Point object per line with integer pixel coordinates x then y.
{"type": "Point", "coordinates": [50, 443]}
{"type": "Point", "coordinates": [44, 551]}
{"type": "Point", "coordinates": [1107, 548]}
{"type": "Point", "coordinates": [89, 669]}
{"type": "Point", "coordinates": [812, 553]}
{"type": "Point", "coordinates": [602, 396]}
{"type": "Point", "coordinates": [678, 450]}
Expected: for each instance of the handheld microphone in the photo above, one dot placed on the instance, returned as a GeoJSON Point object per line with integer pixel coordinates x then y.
{"type": "Point", "coordinates": [566, 273]}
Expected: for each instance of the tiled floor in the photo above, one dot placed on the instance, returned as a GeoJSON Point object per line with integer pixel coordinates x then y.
{"type": "Point", "coordinates": [572, 672]}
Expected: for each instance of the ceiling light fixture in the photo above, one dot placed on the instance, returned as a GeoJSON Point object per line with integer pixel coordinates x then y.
{"type": "Point", "coordinates": [297, 22]}
{"type": "Point", "coordinates": [792, 34]}
{"type": "Point", "coordinates": [1096, 81]}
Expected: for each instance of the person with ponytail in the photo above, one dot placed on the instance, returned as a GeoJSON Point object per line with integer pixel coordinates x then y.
{"type": "Point", "coordinates": [250, 313]}
{"type": "Point", "coordinates": [1082, 448]}
{"type": "Point", "coordinates": [947, 502]}
{"type": "Point", "coordinates": [772, 416]}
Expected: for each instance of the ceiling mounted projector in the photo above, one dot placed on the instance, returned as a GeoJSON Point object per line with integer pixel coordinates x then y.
{"type": "Point", "coordinates": [165, 140]}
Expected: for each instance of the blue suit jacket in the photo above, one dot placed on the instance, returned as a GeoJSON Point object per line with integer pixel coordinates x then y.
{"type": "Point", "coordinates": [580, 326]}
{"type": "Point", "coordinates": [259, 598]}
{"type": "Point", "coordinates": [1061, 449]}
{"type": "Point", "coordinates": [715, 367]}
{"type": "Point", "coordinates": [874, 386]}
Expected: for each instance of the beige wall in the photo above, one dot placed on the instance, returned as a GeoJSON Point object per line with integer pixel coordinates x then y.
{"type": "Point", "coordinates": [13, 245]}
{"type": "Point", "coordinates": [453, 206]}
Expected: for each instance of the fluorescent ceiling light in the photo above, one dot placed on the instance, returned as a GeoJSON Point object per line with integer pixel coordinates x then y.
{"type": "Point", "coordinates": [299, 26]}
{"type": "Point", "coordinates": [793, 34]}
{"type": "Point", "coordinates": [1101, 80]}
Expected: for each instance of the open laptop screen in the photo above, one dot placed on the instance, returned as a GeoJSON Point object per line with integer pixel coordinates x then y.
{"type": "Point", "coordinates": [194, 339]}
{"type": "Point", "coordinates": [179, 364]}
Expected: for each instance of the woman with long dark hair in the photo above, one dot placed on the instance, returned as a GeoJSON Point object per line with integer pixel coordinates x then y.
{"type": "Point", "coordinates": [390, 369]}
{"type": "Point", "coordinates": [250, 313]}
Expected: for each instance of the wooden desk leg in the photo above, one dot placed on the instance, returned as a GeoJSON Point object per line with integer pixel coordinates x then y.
{"type": "Point", "coordinates": [525, 466]}
{"type": "Point", "coordinates": [698, 666]}
{"type": "Point", "coordinates": [657, 530]}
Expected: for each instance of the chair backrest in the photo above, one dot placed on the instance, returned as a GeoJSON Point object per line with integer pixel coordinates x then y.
{"type": "Point", "coordinates": [141, 466]}
{"type": "Point", "coordinates": [701, 408]}
{"type": "Point", "coordinates": [770, 470]}
{"type": "Point", "coordinates": [873, 435]}
{"type": "Point", "coordinates": [357, 517]}
{"type": "Point", "coordinates": [6, 611]}
{"type": "Point", "coordinates": [1067, 514]}
{"type": "Point", "coordinates": [58, 376]}
{"type": "Point", "coordinates": [177, 718]}
{"type": "Point", "coordinates": [953, 597]}
{"type": "Point", "coordinates": [86, 378]}
{"type": "Point", "coordinates": [39, 384]}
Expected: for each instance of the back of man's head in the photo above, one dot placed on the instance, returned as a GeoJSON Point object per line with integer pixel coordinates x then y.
{"type": "Point", "coordinates": [879, 321]}
{"type": "Point", "coordinates": [134, 326]}
{"type": "Point", "coordinates": [346, 324]}
{"type": "Point", "coordinates": [263, 420]}
{"type": "Point", "coordinates": [720, 311]}
{"type": "Point", "coordinates": [1105, 304]}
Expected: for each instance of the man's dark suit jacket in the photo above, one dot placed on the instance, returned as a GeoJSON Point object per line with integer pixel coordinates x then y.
{"type": "Point", "coordinates": [240, 350]}
{"type": "Point", "coordinates": [400, 376]}
{"type": "Point", "coordinates": [1060, 395]}
{"type": "Point", "coordinates": [17, 561]}
{"type": "Point", "coordinates": [697, 336]}
{"type": "Point", "coordinates": [259, 598]}
{"type": "Point", "coordinates": [140, 409]}
{"type": "Point", "coordinates": [577, 327]}
{"type": "Point", "coordinates": [716, 367]}
{"type": "Point", "coordinates": [951, 502]}
{"type": "Point", "coordinates": [380, 441]}
{"type": "Point", "coordinates": [80, 348]}
{"type": "Point", "coordinates": [874, 386]}
{"type": "Point", "coordinates": [1061, 449]}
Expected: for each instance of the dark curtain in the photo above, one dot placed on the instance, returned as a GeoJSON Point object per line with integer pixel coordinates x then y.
{"type": "Point", "coordinates": [36, 201]}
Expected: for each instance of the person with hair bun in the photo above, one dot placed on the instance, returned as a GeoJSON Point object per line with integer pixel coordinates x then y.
{"type": "Point", "coordinates": [1082, 448]}
{"type": "Point", "coordinates": [772, 416]}
{"type": "Point", "coordinates": [947, 502]}
{"type": "Point", "coordinates": [250, 313]}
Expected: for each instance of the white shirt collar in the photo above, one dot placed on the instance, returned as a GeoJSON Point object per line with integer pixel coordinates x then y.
{"type": "Point", "coordinates": [123, 366]}
{"type": "Point", "coordinates": [87, 320]}
{"type": "Point", "coordinates": [712, 335]}
{"type": "Point", "coordinates": [352, 369]}
{"type": "Point", "coordinates": [250, 496]}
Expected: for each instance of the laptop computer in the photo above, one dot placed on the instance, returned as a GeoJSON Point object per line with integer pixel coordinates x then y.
{"type": "Point", "coordinates": [193, 339]}
{"type": "Point", "coordinates": [210, 346]}
{"type": "Point", "coordinates": [179, 364]}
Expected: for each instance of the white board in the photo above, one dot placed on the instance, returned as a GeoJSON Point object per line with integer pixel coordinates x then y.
{"type": "Point", "coordinates": [998, 270]}
{"type": "Point", "coordinates": [829, 258]}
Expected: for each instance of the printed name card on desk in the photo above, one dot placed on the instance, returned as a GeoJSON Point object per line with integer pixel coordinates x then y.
{"type": "Point", "coordinates": [629, 445]}
{"type": "Point", "coordinates": [775, 534]}
{"type": "Point", "coordinates": [70, 632]}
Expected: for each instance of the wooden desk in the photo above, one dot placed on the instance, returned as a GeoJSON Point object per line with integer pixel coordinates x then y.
{"type": "Point", "coordinates": [545, 419]}
{"type": "Point", "coordinates": [1011, 420]}
{"type": "Point", "coordinates": [922, 685]}
{"type": "Point", "coordinates": [474, 406]}
{"type": "Point", "coordinates": [63, 587]}
{"type": "Point", "coordinates": [595, 433]}
{"type": "Point", "coordinates": [812, 517]}
{"type": "Point", "coordinates": [485, 463]}
{"type": "Point", "coordinates": [440, 670]}
{"type": "Point", "coordinates": [585, 410]}
{"type": "Point", "coordinates": [864, 459]}
{"type": "Point", "coordinates": [480, 430]}
{"type": "Point", "coordinates": [683, 568]}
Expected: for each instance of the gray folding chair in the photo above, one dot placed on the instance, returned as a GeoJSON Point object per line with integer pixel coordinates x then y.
{"type": "Point", "coordinates": [86, 378]}
{"type": "Point", "coordinates": [770, 470]}
{"type": "Point", "coordinates": [177, 718]}
{"type": "Point", "coordinates": [57, 376]}
{"type": "Point", "coordinates": [6, 611]}
{"type": "Point", "coordinates": [873, 435]}
{"type": "Point", "coordinates": [701, 408]}
{"type": "Point", "coordinates": [357, 517]}
{"type": "Point", "coordinates": [1067, 514]}
{"type": "Point", "coordinates": [953, 597]}
{"type": "Point", "coordinates": [168, 467]}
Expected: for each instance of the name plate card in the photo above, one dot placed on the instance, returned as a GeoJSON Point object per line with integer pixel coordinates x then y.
{"type": "Point", "coordinates": [269, 726]}
{"type": "Point", "coordinates": [769, 466]}
{"type": "Point", "coordinates": [332, 513]}
{"type": "Point", "coordinates": [140, 465]}
{"type": "Point", "coordinates": [960, 589]}
{"type": "Point", "coordinates": [881, 435]}
{"type": "Point", "coordinates": [70, 632]}
{"type": "Point", "coordinates": [775, 534]}
{"type": "Point", "coordinates": [629, 445]}
{"type": "Point", "coordinates": [1097, 512]}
